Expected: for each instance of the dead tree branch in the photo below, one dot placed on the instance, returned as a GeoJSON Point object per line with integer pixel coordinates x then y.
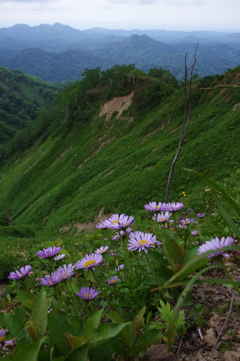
{"type": "Point", "coordinates": [186, 116]}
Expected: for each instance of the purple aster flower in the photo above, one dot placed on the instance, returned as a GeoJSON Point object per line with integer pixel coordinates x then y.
{"type": "Point", "coordinates": [162, 217]}
{"type": "Point", "coordinates": [2, 334]}
{"type": "Point", "coordinates": [175, 206]}
{"type": "Point", "coordinates": [156, 207]}
{"type": "Point", "coordinates": [119, 268]}
{"type": "Point", "coordinates": [182, 226]}
{"type": "Point", "coordinates": [122, 233]}
{"type": "Point", "coordinates": [102, 249]}
{"type": "Point", "coordinates": [216, 244]}
{"type": "Point", "coordinates": [24, 271]}
{"type": "Point", "coordinates": [101, 225]}
{"type": "Point", "coordinates": [59, 257]}
{"type": "Point", "coordinates": [113, 280]}
{"type": "Point", "coordinates": [51, 280]}
{"type": "Point", "coordinates": [87, 293]}
{"type": "Point", "coordinates": [114, 254]}
{"type": "Point", "coordinates": [118, 221]}
{"type": "Point", "coordinates": [89, 261]}
{"type": "Point", "coordinates": [66, 271]}
{"type": "Point", "coordinates": [49, 252]}
{"type": "Point", "coordinates": [196, 243]}
{"type": "Point", "coordinates": [200, 215]}
{"type": "Point", "coordinates": [187, 221]}
{"type": "Point", "coordinates": [116, 237]}
{"type": "Point", "coordinates": [195, 232]}
{"type": "Point", "coordinates": [141, 241]}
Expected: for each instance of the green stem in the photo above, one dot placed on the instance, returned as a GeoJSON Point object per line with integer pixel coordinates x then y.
{"type": "Point", "coordinates": [229, 276]}
{"type": "Point", "coordinates": [153, 271]}
{"type": "Point", "coordinates": [102, 290]}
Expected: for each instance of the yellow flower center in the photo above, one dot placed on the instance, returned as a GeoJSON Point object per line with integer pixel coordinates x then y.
{"type": "Point", "coordinates": [142, 242]}
{"type": "Point", "coordinates": [156, 207]}
{"type": "Point", "coordinates": [113, 281]}
{"type": "Point", "coordinates": [86, 296]}
{"type": "Point", "coordinates": [64, 274]}
{"type": "Point", "coordinates": [117, 221]}
{"type": "Point", "coordinates": [89, 263]}
{"type": "Point", "coordinates": [50, 282]}
{"type": "Point", "coordinates": [2, 338]}
{"type": "Point", "coordinates": [162, 219]}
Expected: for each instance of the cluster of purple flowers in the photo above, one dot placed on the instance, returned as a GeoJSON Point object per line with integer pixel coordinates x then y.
{"type": "Point", "coordinates": [163, 207]}
{"type": "Point", "coordinates": [116, 221]}
{"type": "Point", "coordinates": [60, 274]}
{"type": "Point", "coordinates": [122, 233]}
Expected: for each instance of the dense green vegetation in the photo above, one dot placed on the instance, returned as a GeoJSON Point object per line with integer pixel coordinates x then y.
{"type": "Point", "coordinates": [72, 163]}
{"type": "Point", "coordinates": [21, 97]}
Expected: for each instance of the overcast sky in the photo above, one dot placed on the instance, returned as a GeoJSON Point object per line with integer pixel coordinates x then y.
{"type": "Point", "coordinates": [219, 15]}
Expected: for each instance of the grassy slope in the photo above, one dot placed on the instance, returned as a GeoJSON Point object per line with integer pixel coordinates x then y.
{"type": "Point", "coordinates": [21, 96]}
{"type": "Point", "coordinates": [45, 185]}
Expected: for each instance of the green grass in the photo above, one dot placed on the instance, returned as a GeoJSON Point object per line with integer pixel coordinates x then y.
{"type": "Point", "coordinates": [121, 165]}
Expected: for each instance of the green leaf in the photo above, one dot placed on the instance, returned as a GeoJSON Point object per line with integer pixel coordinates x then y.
{"type": "Point", "coordinates": [105, 332]}
{"type": "Point", "coordinates": [101, 352]}
{"type": "Point", "coordinates": [94, 320]}
{"type": "Point", "coordinates": [58, 242]}
{"type": "Point", "coordinates": [17, 328]}
{"type": "Point", "coordinates": [80, 354]}
{"type": "Point", "coordinates": [2, 321]}
{"type": "Point", "coordinates": [228, 219]}
{"type": "Point", "coordinates": [194, 266]}
{"type": "Point", "coordinates": [119, 344]}
{"type": "Point", "coordinates": [26, 300]}
{"type": "Point", "coordinates": [20, 312]}
{"type": "Point", "coordinates": [175, 314]}
{"type": "Point", "coordinates": [58, 325]}
{"type": "Point", "coordinates": [126, 331]}
{"type": "Point", "coordinates": [29, 352]}
{"type": "Point", "coordinates": [137, 323]}
{"type": "Point", "coordinates": [149, 338]}
{"type": "Point", "coordinates": [76, 341]}
{"type": "Point", "coordinates": [40, 312]}
{"type": "Point", "coordinates": [173, 254]}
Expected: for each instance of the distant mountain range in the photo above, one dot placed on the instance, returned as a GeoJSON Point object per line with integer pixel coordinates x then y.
{"type": "Point", "coordinates": [60, 53]}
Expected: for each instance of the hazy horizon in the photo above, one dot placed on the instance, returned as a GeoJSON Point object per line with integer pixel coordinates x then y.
{"type": "Point", "coordinates": [178, 15]}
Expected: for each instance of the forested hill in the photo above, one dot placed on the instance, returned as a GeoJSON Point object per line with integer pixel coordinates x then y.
{"type": "Point", "coordinates": [59, 52]}
{"type": "Point", "coordinates": [21, 98]}
{"type": "Point", "coordinates": [107, 144]}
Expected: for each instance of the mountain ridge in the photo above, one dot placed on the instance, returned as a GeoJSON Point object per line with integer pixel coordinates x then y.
{"type": "Point", "coordinates": [105, 48]}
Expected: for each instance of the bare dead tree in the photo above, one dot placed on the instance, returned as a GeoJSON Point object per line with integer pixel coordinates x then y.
{"type": "Point", "coordinates": [186, 116]}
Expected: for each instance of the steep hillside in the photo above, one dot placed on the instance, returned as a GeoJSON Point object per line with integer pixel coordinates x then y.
{"type": "Point", "coordinates": [21, 97]}
{"type": "Point", "coordinates": [85, 163]}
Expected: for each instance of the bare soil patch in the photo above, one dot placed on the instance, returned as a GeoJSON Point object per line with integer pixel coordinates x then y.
{"type": "Point", "coordinates": [116, 104]}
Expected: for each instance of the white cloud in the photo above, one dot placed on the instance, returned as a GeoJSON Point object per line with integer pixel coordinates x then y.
{"type": "Point", "coordinates": [26, 1]}
{"type": "Point", "coordinates": [186, 2]}
{"type": "Point", "coordinates": [135, 2]}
